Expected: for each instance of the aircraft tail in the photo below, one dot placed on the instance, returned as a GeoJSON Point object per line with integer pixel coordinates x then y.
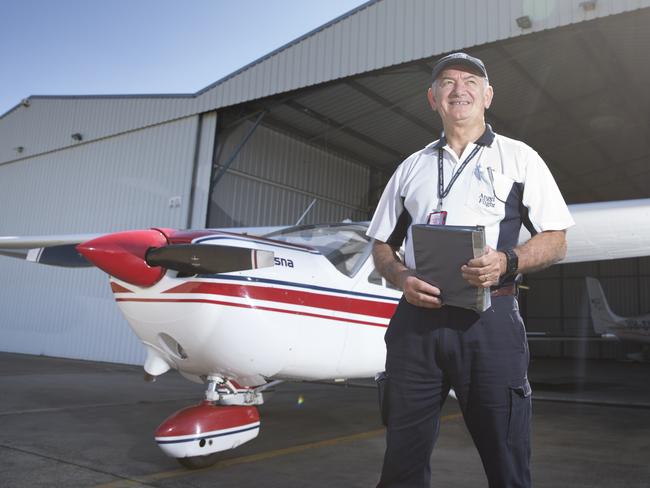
{"type": "Point", "coordinates": [602, 316]}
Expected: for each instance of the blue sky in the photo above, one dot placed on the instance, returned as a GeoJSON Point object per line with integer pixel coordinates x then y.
{"type": "Point", "coordinates": [84, 47]}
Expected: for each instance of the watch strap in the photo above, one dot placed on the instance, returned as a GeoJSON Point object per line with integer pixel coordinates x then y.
{"type": "Point", "coordinates": [512, 262]}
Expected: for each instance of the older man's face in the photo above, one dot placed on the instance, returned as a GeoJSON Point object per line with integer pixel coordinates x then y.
{"type": "Point", "coordinates": [460, 96]}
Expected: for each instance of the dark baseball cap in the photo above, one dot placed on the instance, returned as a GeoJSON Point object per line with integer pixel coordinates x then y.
{"type": "Point", "coordinates": [455, 59]}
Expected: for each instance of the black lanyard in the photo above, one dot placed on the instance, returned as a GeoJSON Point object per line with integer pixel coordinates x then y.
{"type": "Point", "coordinates": [442, 192]}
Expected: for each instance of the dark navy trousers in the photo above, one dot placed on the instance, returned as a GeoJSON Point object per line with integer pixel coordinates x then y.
{"type": "Point", "coordinates": [484, 358]}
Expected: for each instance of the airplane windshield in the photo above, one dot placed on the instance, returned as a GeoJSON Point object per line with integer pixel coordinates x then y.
{"type": "Point", "coordinates": [345, 245]}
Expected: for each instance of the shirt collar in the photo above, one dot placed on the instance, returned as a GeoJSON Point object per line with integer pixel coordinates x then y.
{"type": "Point", "coordinates": [486, 139]}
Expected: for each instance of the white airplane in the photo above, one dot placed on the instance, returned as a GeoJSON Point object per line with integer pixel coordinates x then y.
{"type": "Point", "coordinates": [607, 322]}
{"type": "Point", "coordinates": [239, 312]}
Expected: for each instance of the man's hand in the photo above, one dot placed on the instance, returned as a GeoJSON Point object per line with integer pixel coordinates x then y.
{"type": "Point", "coordinates": [418, 292]}
{"type": "Point", "coordinates": [485, 270]}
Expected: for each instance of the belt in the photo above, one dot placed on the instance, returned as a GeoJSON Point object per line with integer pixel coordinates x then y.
{"type": "Point", "coordinates": [504, 291]}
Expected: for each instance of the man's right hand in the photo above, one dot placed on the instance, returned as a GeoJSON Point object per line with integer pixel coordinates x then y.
{"type": "Point", "coordinates": [418, 292]}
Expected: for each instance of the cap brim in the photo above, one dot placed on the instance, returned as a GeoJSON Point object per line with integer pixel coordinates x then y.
{"type": "Point", "coordinates": [465, 63]}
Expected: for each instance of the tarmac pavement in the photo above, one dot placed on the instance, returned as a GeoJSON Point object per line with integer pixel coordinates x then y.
{"type": "Point", "coordinates": [72, 423]}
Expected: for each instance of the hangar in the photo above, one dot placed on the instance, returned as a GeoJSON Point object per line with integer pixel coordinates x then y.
{"type": "Point", "coordinates": [311, 132]}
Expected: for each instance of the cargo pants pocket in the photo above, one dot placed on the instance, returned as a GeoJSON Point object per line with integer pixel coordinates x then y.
{"type": "Point", "coordinates": [382, 388]}
{"type": "Point", "coordinates": [520, 413]}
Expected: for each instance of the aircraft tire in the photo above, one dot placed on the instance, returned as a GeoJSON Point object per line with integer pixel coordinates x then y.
{"type": "Point", "coordinates": [199, 462]}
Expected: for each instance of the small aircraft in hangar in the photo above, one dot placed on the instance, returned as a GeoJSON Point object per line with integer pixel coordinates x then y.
{"type": "Point", "coordinates": [239, 312]}
{"type": "Point", "coordinates": [606, 322]}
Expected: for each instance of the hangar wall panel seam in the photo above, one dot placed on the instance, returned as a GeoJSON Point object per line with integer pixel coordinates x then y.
{"type": "Point", "coordinates": [197, 214]}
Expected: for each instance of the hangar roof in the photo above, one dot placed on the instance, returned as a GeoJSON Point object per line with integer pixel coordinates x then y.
{"type": "Point", "coordinates": [384, 33]}
{"type": "Point", "coordinates": [569, 85]}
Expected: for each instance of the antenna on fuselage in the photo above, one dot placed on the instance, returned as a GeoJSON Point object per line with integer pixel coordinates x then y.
{"type": "Point", "coordinates": [304, 214]}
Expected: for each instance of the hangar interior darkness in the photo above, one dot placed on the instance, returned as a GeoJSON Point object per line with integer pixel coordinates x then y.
{"type": "Point", "coordinates": [577, 94]}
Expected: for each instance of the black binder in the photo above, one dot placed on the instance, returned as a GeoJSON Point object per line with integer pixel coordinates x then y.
{"type": "Point", "coordinates": [440, 251]}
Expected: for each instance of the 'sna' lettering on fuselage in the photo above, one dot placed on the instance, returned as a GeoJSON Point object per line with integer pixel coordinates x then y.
{"type": "Point", "coordinates": [283, 262]}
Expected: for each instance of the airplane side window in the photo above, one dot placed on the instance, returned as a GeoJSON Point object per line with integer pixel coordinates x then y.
{"type": "Point", "coordinates": [376, 279]}
{"type": "Point", "coordinates": [344, 245]}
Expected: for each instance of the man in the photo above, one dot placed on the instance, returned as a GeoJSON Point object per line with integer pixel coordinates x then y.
{"type": "Point", "coordinates": [470, 176]}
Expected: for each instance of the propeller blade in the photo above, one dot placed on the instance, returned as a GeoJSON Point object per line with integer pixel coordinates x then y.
{"type": "Point", "coordinates": [208, 259]}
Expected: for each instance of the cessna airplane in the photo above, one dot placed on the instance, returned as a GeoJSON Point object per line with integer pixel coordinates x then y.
{"type": "Point", "coordinates": [239, 312]}
{"type": "Point", "coordinates": [607, 322]}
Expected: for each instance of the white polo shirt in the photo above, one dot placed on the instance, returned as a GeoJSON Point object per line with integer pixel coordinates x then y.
{"type": "Point", "coordinates": [519, 190]}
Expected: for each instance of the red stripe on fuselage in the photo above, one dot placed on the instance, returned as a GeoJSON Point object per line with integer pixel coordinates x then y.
{"type": "Point", "coordinates": [245, 305]}
{"type": "Point", "coordinates": [295, 297]}
{"type": "Point", "coordinates": [115, 288]}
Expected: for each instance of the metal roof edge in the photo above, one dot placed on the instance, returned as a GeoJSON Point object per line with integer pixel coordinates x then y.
{"type": "Point", "coordinates": [95, 97]}
{"type": "Point", "coordinates": [11, 109]}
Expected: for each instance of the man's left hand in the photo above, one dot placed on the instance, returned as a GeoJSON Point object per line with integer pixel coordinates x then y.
{"type": "Point", "coordinates": [485, 270]}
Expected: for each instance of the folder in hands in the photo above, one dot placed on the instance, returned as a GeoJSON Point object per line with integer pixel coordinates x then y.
{"type": "Point", "coordinates": [440, 251]}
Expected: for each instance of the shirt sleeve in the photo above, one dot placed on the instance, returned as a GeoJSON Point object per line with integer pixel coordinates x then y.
{"type": "Point", "coordinates": [391, 220]}
{"type": "Point", "coordinates": [542, 198]}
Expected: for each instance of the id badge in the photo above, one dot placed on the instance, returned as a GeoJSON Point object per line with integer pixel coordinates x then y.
{"type": "Point", "coordinates": [438, 217]}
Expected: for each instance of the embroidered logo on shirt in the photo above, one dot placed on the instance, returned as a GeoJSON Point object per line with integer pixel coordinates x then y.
{"type": "Point", "coordinates": [487, 201]}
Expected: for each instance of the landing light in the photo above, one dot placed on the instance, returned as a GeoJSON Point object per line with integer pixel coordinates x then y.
{"type": "Point", "coordinates": [172, 346]}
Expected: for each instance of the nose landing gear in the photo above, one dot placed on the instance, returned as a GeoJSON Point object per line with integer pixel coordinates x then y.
{"type": "Point", "coordinates": [226, 419]}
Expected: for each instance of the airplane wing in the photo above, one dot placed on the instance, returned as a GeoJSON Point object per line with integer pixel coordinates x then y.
{"type": "Point", "coordinates": [604, 230]}
{"type": "Point", "coordinates": [28, 247]}
{"type": "Point", "coordinates": [607, 230]}
{"type": "Point", "coordinates": [53, 250]}
{"type": "Point", "coordinates": [138, 257]}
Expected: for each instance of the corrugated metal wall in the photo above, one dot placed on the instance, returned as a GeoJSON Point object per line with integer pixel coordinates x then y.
{"type": "Point", "coordinates": [48, 122]}
{"type": "Point", "coordinates": [118, 183]}
{"type": "Point", "coordinates": [390, 32]}
{"type": "Point", "coordinates": [557, 303]}
{"type": "Point", "coordinates": [275, 177]}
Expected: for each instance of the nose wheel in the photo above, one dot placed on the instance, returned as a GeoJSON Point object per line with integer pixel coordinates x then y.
{"type": "Point", "coordinates": [199, 462]}
{"type": "Point", "coordinates": [226, 419]}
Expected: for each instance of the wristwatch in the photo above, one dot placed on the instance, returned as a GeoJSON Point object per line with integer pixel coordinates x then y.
{"type": "Point", "coordinates": [512, 262]}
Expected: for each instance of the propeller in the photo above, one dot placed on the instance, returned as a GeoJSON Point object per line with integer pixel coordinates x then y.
{"type": "Point", "coordinates": [140, 257]}
{"type": "Point", "coordinates": [208, 259]}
